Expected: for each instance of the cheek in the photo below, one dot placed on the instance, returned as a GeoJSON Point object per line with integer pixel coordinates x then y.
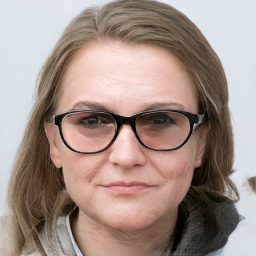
{"type": "Point", "coordinates": [176, 164]}
{"type": "Point", "coordinates": [79, 171]}
{"type": "Point", "coordinates": [176, 169]}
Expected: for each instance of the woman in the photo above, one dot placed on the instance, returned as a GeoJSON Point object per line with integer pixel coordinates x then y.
{"type": "Point", "coordinates": [129, 147]}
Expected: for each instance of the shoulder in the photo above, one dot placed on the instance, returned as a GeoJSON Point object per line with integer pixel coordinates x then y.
{"type": "Point", "coordinates": [64, 237]}
{"type": "Point", "coordinates": [9, 241]}
{"type": "Point", "coordinates": [242, 240]}
{"type": "Point", "coordinates": [8, 237]}
{"type": "Point", "coordinates": [55, 241]}
{"type": "Point", "coordinates": [217, 253]}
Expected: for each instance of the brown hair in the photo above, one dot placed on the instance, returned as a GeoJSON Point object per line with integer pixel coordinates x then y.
{"type": "Point", "coordinates": [37, 191]}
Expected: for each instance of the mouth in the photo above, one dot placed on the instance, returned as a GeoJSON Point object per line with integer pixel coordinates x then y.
{"type": "Point", "coordinates": [127, 188]}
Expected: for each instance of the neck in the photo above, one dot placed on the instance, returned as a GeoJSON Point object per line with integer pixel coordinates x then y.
{"type": "Point", "coordinates": [95, 239]}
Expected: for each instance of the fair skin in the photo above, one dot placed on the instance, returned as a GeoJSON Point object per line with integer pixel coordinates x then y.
{"type": "Point", "coordinates": [125, 80]}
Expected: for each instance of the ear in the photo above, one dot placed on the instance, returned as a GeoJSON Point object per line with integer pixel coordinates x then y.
{"type": "Point", "coordinates": [52, 135]}
{"type": "Point", "coordinates": [202, 132]}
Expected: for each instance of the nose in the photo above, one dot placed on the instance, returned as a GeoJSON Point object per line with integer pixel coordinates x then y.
{"type": "Point", "coordinates": [126, 151]}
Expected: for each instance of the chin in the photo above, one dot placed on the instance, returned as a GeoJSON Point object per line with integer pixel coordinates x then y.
{"type": "Point", "coordinates": [131, 225]}
{"type": "Point", "coordinates": [134, 220]}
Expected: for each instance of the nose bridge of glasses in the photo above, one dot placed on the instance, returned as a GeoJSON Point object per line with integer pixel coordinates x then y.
{"type": "Point", "coordinates": [121, 120]}
{"type": "Point", "coordinates": [125, 120]}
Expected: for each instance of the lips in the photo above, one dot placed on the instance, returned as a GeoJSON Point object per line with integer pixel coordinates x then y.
{"type": "Point", "coordinates": [121, 187]}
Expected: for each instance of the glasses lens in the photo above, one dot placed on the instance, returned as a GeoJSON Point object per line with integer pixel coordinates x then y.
{"type": "Point", "coordinates": [163, 129]}
{"type": "Point", "coordinates": [88, 131]}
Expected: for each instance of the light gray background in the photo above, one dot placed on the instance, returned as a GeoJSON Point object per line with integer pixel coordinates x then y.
{"type": "Point", "coordinates": [30, 28]}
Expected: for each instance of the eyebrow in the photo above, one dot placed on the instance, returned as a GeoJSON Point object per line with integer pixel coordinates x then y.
{"type": "Point", "coordinates": [166, 105]}
{"type": "Point", "coordinates": [88, 105]}
{"type": "Point", "coordinates": [98, 106]}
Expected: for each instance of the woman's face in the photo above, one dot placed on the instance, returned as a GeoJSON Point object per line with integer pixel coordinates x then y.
{"type": "Point", "coordinates": [127, 187]}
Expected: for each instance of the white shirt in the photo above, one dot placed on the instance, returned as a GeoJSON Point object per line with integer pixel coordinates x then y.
{"type": "Point", "coordinates": [76, 248]}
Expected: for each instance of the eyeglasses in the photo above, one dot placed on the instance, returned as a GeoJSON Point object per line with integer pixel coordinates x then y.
{"type": "Point", "coordinates": [93, 131]}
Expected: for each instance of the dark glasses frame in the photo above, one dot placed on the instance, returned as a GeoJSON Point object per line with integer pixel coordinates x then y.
{"type": "Point", "coordinates": [194, 120]}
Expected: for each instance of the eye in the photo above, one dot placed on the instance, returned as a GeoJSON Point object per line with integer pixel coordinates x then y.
{"type": "Point", "coordinates": [162, 119]}
{"type": "Point", "coordinates": [90, 120]}
{"type": "Point", "coordinates": [94, 120]}
{"type": "Point", "coordinates": [157, 120]}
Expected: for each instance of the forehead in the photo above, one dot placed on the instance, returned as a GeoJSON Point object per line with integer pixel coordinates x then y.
{"type": "Point", "coordinates": [121, 76]}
